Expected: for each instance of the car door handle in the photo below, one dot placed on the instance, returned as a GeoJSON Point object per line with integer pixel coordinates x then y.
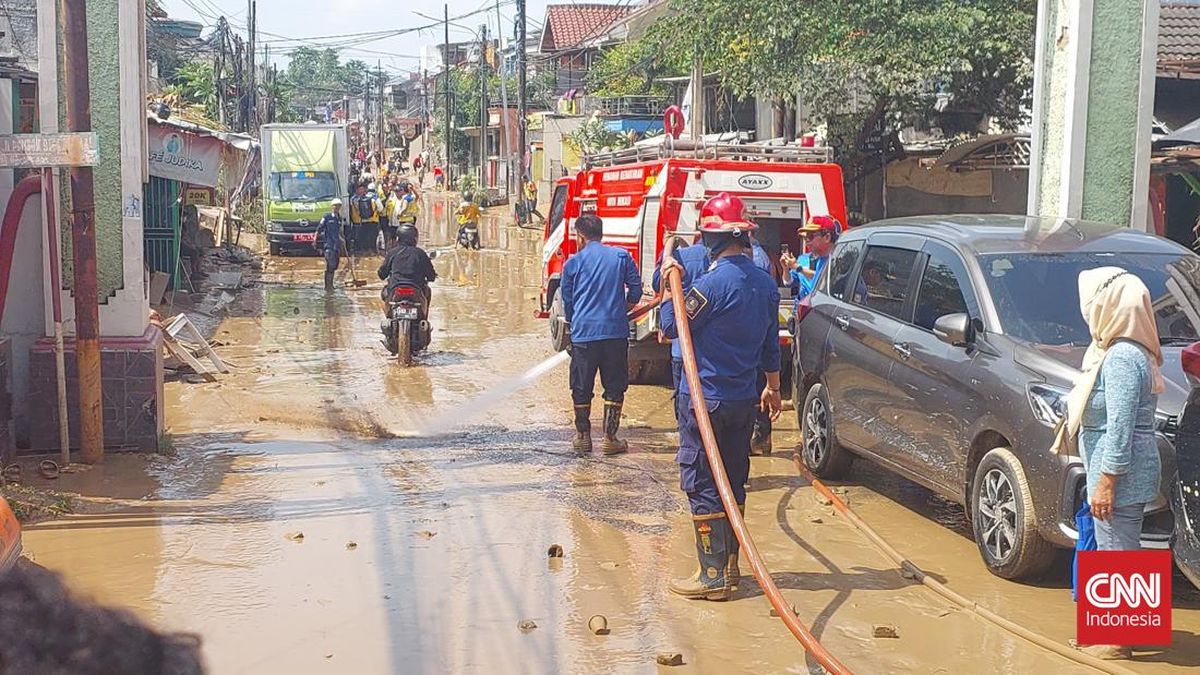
{"type": "Point", "coordinates": [902, 349]}
{"type": "Point", "coordinates": [843, 322]}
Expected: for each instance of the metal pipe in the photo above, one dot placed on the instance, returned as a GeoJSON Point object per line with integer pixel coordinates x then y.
{"type": "Point", "coordinates": [60, 368]}
{"type": "Point", "coordinates": [827, 660]}
{"type": "Point", "coordinates": [78, 105]}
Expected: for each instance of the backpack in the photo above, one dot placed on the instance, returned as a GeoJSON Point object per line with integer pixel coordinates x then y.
{"type": "Point", "coordinates": [366, 208]}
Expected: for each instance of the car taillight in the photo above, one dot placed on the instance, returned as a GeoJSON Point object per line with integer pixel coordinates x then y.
{"type": "Point", "coordinates": [1191, 359]}
{"type": "Point", "coordinates": [405, 291]}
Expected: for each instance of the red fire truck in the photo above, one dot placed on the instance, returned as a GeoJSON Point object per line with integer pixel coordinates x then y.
{"type": "Point", "coordinates": [647, 193]}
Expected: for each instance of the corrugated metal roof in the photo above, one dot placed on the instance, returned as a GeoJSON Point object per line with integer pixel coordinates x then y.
{"type": "Point", "coordinates": [567, 26]}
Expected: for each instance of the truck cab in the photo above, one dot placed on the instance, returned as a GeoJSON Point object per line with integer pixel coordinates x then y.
{"type": "Point", "coordinates": [305, 166]}
{"type": "Point", "coordinates": [647, 195]}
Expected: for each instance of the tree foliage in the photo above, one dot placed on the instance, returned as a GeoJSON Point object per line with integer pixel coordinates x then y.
{"type": "Point", "coordinates": [317, 76]}
{"type": "Point", "coordinates": [891, 58]}
{"type": "Point", "coordinates": [634, 68]}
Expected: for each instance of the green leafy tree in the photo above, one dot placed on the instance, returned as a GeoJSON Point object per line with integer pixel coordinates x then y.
{"type": "Point", "coordinates": [193, 85]}
{"type": "Point", "coordinates": [634, 68]}
{"type": "Point", "coordinates": [593, 136]}
{"type": "Point", "coordinates": [864, 65]}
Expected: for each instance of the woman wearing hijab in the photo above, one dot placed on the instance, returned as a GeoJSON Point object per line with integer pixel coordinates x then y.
{"type": "Point", "coordinates": [1112, 410]}
{"type": "Point", "coordinates": [1113, 403]}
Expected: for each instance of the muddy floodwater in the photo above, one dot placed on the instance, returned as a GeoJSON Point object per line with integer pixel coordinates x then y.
{"type": "Point", "coordinates": [308, 522]}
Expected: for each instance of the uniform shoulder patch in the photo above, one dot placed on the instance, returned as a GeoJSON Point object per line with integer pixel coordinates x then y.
{"type": "Point", "coordinates": [693, 302]}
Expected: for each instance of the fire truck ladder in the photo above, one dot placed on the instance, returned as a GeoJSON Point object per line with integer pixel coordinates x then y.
{"type": "Point", "coordinates": [671, 148]}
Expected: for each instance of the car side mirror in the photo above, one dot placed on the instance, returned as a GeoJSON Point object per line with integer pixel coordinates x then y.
{"type": "Point", "coordinates": [953, 329]}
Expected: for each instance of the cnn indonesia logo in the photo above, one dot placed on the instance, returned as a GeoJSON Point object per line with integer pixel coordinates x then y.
{"type": "Point", "coordinates": [1125, 598]}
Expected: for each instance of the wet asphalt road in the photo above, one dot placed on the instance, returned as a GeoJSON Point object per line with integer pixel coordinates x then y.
{"type": "Point", "coordinates": [422, 554]}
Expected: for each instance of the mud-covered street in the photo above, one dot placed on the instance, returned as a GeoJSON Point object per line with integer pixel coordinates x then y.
{"type": "Point", "coordinates": [326, 511]}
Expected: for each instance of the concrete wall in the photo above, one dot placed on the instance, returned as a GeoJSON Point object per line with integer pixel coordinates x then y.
{"type": "Point", "coordinates": [1008, 194]}
{"type": "Point", "coordinates": [116, 64]}
{"type": "Point", "coordinates": [554, 153]}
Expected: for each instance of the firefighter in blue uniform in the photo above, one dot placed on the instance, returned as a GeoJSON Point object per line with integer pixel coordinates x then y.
{"type": "Point", "coordinates": [599, 285]}
{"type": "Point", "coordinates": [733, 312]}
{"type": "Point", "coordinates": [693, 262]}
{"type": "Point", "coordinates": [328, 241]}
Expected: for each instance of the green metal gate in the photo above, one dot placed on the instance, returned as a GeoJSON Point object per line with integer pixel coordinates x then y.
{"type": "Point", "coordinates": [161, 213]}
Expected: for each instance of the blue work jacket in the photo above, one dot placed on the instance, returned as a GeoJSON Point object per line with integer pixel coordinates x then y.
{"type": "Point", "coordinates": [599, 283]}
{"type": "Point", "coordinates": [733, 312]}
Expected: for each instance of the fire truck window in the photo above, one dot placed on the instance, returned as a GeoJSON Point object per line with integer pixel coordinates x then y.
{"type": "Point", "coordinates": [557, 208]}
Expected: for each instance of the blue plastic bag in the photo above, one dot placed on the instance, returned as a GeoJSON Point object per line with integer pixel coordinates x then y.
{"type": "Point", "coordinates": [1086, 526]}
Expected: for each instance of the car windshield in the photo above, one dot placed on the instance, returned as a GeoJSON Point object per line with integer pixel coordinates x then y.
{"type": "Point", "coordinates": [1037, 294]}
{"type": "Point", "coordinates": [303, 186]}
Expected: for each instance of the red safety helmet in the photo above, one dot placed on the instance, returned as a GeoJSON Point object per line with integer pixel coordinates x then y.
{"type": "Point", "coordinates": [725, 213]}
{"type": "Point", "coordinates": [823, 224]}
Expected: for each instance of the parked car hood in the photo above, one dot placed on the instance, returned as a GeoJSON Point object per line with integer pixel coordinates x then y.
{"type": "Point", "coordinates": [1060, 366]}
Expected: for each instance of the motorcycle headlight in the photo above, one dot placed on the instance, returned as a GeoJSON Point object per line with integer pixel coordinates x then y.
{"type": "Point", "coordinates": [1049, 403]}
{"type": "Point", "coordinates": [273, 226]}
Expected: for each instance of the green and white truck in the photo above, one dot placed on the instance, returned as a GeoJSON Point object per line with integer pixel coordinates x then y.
{"type": "Point", "coordinates": [304, 167]}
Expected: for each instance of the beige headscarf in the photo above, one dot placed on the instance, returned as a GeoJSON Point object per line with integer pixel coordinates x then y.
{"type": "Point", "coordinates": [1116, 306]}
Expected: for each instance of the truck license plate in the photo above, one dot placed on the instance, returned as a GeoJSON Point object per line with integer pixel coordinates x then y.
{"type": "Point", "coordinates": [311, 236]}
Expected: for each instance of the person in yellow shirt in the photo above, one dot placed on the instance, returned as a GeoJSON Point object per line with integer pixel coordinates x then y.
{"type": "Point", "coordinates": [468, 225]}
{"type": "Point", "coordinates": [364, 219]}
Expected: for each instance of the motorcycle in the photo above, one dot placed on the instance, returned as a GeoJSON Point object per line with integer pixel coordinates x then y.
{"type": "Point", "coordinates": [406, 330]}
{"type": "Point", "coordinates": [468, 236]}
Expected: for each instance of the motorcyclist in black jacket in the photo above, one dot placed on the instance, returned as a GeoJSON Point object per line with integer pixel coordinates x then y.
{"type": "Point", "coordinates": [406, 264]}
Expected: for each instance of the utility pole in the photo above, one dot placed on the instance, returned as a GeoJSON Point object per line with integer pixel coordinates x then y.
{"type": "Point", "coordinates": [522, 113]}
{"type": "Point", "coordinates": [425, 108]}
{"type": "Point", "coordinates": [446, 63]}
{"type": "Point", "coordinates": [83, 236]}
{"type": "Point", "coordinates": [505, 144]}
{"type": "Point", "coordinates": [382, 126]}
{"type": "Point", "coordinates": [483, 106]}
{"type": "Point", "coordinates": [252, 75]}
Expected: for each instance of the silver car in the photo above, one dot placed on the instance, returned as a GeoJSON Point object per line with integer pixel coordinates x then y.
{"type": "Point", "coordinates": [943, 348]}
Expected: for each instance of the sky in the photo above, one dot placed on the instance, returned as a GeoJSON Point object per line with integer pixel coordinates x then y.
{"type": "Point", "coordinates": [313, 20]}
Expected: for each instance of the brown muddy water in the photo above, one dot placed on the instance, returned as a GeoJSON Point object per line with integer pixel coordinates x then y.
{"type": "Point", "coordinates": [424, 554]}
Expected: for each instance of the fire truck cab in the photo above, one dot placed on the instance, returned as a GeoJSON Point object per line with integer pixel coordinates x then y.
{"type": "Point", "coordinates": [647, 194]}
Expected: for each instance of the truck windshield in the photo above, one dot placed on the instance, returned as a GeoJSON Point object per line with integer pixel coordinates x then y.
{"type": "Point", "coordinates": [303, 186]}
{"type": "Point", "coordinates": [1037, 294]}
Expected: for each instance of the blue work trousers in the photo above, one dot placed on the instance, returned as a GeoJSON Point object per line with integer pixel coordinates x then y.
{"type": "Point", "coordinates": [733, 423]}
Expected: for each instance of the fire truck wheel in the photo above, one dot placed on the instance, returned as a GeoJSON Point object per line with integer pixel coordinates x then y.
{"type": "Point", "coordinates": [560, 332]}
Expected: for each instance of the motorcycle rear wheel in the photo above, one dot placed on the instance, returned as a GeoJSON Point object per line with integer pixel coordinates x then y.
{"type": "Point", "coordinates": [404, 351]}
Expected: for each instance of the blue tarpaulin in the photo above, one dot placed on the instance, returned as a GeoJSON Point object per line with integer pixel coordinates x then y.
{"type": "Point", "coordinates": [640, 126]}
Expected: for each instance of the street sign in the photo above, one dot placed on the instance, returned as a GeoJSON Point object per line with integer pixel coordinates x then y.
{"type": "Point", "coordinates": [39, 151]}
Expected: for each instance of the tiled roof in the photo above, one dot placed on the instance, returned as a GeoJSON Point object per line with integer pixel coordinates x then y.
{"type": "Point", "coordinates": [567, 26]}
{"type": "Point", "coordinates": [1178, 33]}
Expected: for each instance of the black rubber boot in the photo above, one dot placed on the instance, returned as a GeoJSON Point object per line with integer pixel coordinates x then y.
{"type": "Point", "coordinates": [760, 442]}
{"type": "Point", "coordinates": [612, 424]}
{"type": "Point", "coordinates": [712, 549]}
{"type": "Point", "coordinates": [329, 281]}
{"type": "Point", "coordinates": [583, 428]}
{"type": "Point", "coordinates": [732, 572]}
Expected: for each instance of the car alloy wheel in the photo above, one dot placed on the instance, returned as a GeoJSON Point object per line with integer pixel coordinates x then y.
{"type": "Point", "coordinates": [998, 514]}
{"type": "Point", "coordinates": [816, 433]}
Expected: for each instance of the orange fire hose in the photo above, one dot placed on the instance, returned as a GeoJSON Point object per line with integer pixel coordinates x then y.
{"type": "Point", "coordinates": [941, 589]}
{"type": "Point", "coordinates": [761, 573]}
